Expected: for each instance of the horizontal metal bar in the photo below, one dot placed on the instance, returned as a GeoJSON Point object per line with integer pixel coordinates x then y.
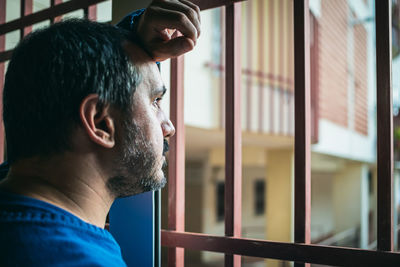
{"type": "Point", "coordinates": [46, 14]}
{"type": "Point", "coordinates": [208, 4]}
{"type": "Point", "coordinates": [310, 253]}
{"type": "Point", "coordinates": [6, 55]}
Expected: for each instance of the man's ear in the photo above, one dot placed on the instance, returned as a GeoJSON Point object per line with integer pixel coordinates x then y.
{"type": "Point", "coordinates": [97, 121]}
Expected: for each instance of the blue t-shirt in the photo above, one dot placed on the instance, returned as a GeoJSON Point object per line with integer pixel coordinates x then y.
{"type": "Point", "coordinates": [36, 233]}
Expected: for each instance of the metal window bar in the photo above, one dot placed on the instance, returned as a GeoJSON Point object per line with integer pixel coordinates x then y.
{"type": "Point", "coordinates": [176, 170]}
{"type": "Point", "coordinates": [302, 143]}
{"type": "Point", "coordinates": [26, 9]}
{"type": "Point", "coordinates": [90, 12]}
{"type": "Point", "coordinates": [2, 72]}
{"type": "Point", "coordinates": [45, 14]}
{"type": "Point", "coordinates": [233, 131]}
{"type": "Point", "coordinates": [384, 123]}
{"type": "Point", "coordinates": [53, 3]}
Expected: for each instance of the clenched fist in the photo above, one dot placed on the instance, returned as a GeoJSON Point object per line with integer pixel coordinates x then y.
{"type": "Point", "coordinates": [169, 28]}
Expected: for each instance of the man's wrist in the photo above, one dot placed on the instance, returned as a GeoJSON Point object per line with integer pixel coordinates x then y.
{"type": "Point", "coordinates": [134, 22]}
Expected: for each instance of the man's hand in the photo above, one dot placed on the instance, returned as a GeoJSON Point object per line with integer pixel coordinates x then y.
{"type": "Point", "coordinates": [169, 28]}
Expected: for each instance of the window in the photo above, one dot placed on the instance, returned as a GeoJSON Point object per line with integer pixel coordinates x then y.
{"type": "Point", "coordinates": [220, 201]}
{"type": "Point", "coordinates": [259, 197]}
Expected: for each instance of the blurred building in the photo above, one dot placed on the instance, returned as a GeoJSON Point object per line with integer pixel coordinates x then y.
{"type": "Point", "coordinates": [343, 100]}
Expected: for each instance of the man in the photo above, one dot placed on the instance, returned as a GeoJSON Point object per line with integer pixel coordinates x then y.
{"type": "Point", "coordinates": [84, 126]}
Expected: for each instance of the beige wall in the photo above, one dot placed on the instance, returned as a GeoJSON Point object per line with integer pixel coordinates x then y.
{"type": "Point", "coordinates": [322, 223]}
{"type": "Point", "coordinates": [279, 217]}
{"type": "Point", "coordinates": [347, 197]}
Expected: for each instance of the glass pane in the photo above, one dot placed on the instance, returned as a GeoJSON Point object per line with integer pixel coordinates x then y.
{"type": "Point", "coordinates": [267, 102]}
{"type": "Point", "coordinates": [343, 96]}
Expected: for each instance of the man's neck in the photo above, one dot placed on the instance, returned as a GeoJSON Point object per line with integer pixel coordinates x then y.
{"type": "Point", "coordinates": [65, 181]}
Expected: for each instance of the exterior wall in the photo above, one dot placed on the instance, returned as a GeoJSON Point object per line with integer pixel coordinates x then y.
{"type": "Point", "coordinates": [333, 62]}
{"type": "Point", "coordinates": [322, 223]}
{"type": "Point", "coordinates": [348, 81]}
{"type": "Point", "coordinates": [279, 200]}
{"type": "Point", "coordinates": [343, 87]}
{"type": "Point", "coordinates": [253, 225]}
{"type": "Point", "coordinates": [361, 86]}
{"type": "Point", "coordinates": [347, 196]}
{"type": "Point", "coordinates": [267, 67]}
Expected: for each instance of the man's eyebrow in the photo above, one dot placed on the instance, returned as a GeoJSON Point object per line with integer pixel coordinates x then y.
{"type": "Point", "coordinates": [160, 91]}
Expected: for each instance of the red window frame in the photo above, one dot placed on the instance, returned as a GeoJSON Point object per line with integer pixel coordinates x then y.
{"type": "Point", "coordinates": [232, 245]}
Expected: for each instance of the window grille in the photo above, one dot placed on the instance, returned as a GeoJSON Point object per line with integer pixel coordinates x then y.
{"type": "Point", "coordinates": [301, 251]}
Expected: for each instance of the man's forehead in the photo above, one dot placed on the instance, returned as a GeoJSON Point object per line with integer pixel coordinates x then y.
{"type": "Point", "coordinates": [144, 64]}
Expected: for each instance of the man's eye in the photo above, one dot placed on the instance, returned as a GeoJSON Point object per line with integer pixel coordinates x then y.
{"type": "Point", "coordinates": [157, 101]}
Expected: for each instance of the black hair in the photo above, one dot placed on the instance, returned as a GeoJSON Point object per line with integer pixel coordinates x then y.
{"type": "Point", "coordinates": [51, 71]}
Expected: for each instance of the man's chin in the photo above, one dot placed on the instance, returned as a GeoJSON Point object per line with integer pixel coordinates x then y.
{"type": "Point", "coordinates": [154, 183]}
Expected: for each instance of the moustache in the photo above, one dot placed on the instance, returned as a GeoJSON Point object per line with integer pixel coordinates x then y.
{"type": "Point", "coordinates": [166, 147]}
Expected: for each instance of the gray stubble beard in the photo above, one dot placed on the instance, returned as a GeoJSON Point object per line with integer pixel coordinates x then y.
{"type": "Point", "coordinates": [136, 165]}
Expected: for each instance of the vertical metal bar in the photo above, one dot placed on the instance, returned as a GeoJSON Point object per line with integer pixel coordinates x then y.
{"type": "Point", "coordinates": [233, 131]}
{"type": "Point", "coordinates": [86, 12]}
{"type": "Point", "coordinates": [302, 123]}
{"type": "Point", "coordinates": [26, 9]}
{"type": "Point", "coordinates": [90, 12]}
{"type": "Point", "coordinates": [2, 71]}
{"type": "Point", "coordinates": [384, 123]}
{"type": "Point", "coordinates": [53, 3]}
{"type": "Point", "coordinates": [176, 173]}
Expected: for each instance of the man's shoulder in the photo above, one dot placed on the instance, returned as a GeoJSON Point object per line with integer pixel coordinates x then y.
{"type": "Point", "coordinates": [48, 236]}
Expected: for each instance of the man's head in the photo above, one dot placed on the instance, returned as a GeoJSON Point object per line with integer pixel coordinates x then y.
{"type": "Point", "coordinates": [77, 77]}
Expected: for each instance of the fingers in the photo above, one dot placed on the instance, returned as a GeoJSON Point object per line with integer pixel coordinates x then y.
{"type": "Point", "coordinates": [161, 21]}
{"type": "Point", "coordinates": [173, 48]}
{"type": "Point", "coordinates": [172, 19]}
{"type": "Point", "coordinates": [194, 7]}
{"type": "Point", "coordinates": [191, 11]}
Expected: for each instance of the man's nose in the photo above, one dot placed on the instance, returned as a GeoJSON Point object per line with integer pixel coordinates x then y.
{"type": "Point", "coordinates": [168, 128]}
